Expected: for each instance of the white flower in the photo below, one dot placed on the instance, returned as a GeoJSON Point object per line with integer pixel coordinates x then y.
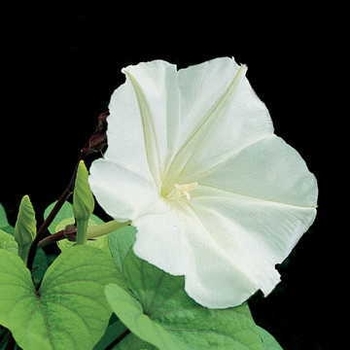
{"type": "Point", "coordinates": [194, 163]}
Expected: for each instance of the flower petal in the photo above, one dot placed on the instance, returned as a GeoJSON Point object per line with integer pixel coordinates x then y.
{"type": "Point", "coordinates": [255, 207]}
{"type": "Point", "coordinates": [270, 170]}
{"type": "Point", "coordinates": [126, 145]}
{"type": "Point", "coordinates": [156, 91]}
{"type": "Point", "coordinates": [226, 245]}
{"type": "Point", "coordinates": [220, 115]}
{"type": "Point", "coordinates": [256, 234]}
{"type": "Point", "coordinates": [214, 278]}
{"type": "Point", "coordinates": [121, 193]}
{"type": "Point", "coordinates": [178, 243]}
{"type": "Point", "coordinates": [161, 241]}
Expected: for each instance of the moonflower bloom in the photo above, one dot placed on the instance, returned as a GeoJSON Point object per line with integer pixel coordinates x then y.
{"type": "Point", "coordinates": [194, 163]}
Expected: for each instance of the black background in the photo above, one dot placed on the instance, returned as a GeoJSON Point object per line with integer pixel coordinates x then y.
{"type": "Point", "coordinates": [60, 67]}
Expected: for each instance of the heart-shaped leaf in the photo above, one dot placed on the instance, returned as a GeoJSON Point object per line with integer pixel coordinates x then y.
{"type": "Point", "coordinates": [69, 311]}
{"type": "Point", "coordinates": [130, 311]}
{"type": "Point", "coordinates": [133, 342]}
{"type": "Point", "coordinates": [157, 310]}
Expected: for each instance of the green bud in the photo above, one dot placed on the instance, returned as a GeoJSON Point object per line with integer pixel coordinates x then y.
{"type": "Point", "coordinates": [83, 202]}
{"type": "Point", "coordinates": [25, 228]}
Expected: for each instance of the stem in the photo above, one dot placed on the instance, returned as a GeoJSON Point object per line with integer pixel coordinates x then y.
{"type": "Point", "coordinates": [42, 230]}
{"type": "Point", "coordinates": [118, 339]}
{"type": "Point", "coordinates": [93, 232]}
{"type": "Point", "coordinates": [69, 233]}
{"type": "Point", "coordinates": [82, 231]}
{"type": "Point", "coordinates": [112, 332]}
{"type": "Point", "coordinates": [96, 143]}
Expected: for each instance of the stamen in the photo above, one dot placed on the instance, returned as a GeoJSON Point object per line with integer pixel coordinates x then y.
{"type": "Point", "coordinates": [182, 190]}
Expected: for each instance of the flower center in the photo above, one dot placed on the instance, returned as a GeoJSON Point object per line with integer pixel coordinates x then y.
{"type": "Point", "coordinates": [182, 190]}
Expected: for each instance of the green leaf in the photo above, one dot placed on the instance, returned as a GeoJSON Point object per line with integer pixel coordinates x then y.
{"type": "Point", "coordinates": [83, 202]}
{"type": "Point", "coordinates": [120, 244]}
{"type": "Point", "coordinates": [269, 342]}
{"type": "Point", "coordinates": [130, 311]}
{"type": "Point", "coordinates": [4, 224]}
{"type": "Point", "coordinates": [156, 308]}
{"type": "Point", "coordinates": [40, 266]}
{"type": "Point", "coordinates": [8, 242]}
{"type": "Point", "coordinates": [25, 228]}
{"type": "Point", "coordinates": [69, 311]}
{"type": "Point", "coordinates": [65, 217]}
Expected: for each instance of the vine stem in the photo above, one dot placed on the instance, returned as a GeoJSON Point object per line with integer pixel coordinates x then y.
{"type": "Point", "coordinates": [70, 232]}
{"type": "Point", "coordinates": [96, 143]}
{"type": "Point", "coordinates": [118, 339]}
{"type": "Point", "coordinates": [42, 229]}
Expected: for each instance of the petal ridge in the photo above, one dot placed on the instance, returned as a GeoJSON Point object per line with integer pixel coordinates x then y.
{"type": "Point", "coordinates": [180, 159]}
{"type": "Point", "coordinates": [151, 144]}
